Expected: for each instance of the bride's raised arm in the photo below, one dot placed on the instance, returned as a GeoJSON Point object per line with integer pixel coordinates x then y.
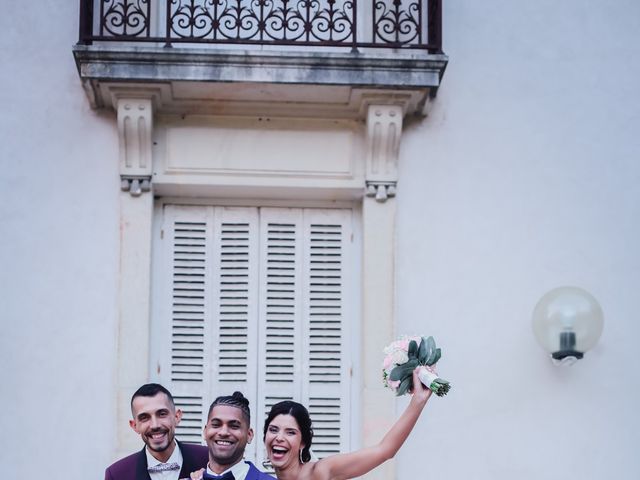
{"type": "Point", "coordinates": [354, 464]}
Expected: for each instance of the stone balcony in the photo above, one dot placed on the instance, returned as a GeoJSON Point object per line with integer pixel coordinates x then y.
{"type": "Point", "coordinates": [300, 58]}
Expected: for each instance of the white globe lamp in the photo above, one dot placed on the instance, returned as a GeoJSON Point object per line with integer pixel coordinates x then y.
{"type": "Point", "coordinates": [567, 321]}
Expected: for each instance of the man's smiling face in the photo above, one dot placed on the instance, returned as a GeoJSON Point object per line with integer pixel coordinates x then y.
{"type": "Point", "coordinates": [155, 419]}
{"type": "Point", "coordinates": [227, 433]}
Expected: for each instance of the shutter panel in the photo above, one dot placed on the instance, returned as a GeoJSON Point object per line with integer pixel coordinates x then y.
{"type": "Point", "coordinates": [237, 309]}
{"type": "Point", "coordinates": [280, 369]}
{"type": "Point", "coordinates": [189, 231]}
{"type": "Point", "coordinates": [235, 306]}
{"type": "Point", "coordinates": [325, 338]}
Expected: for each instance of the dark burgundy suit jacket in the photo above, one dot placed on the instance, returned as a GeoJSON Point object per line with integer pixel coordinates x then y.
{"type": "Point", "coordinates": [134, 467]}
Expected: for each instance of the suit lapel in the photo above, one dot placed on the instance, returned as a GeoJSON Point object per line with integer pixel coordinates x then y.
{"type": "Point", "coordinates": [255, 474]}
{"type": "Point", "coordinates": [252, 474]}
{"type": "Point", "coordinates": [141, 466]}
{"type": "Point", "coordinates": [187, 461]}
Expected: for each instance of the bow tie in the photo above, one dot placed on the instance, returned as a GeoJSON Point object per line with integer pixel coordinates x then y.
{"type": "Point", "coordinates": [226, 476]}
{"type": "Point", "coordinates": [163, 467]}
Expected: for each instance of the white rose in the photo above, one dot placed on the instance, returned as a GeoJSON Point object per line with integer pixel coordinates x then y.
{"type": "Point", "coordinates": [399, 357]}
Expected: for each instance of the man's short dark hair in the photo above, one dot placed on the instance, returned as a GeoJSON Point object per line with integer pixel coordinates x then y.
{"type": "Point", "coordinates": [237, 400]}
{"type": "Point", "coordinates": [151, 390]}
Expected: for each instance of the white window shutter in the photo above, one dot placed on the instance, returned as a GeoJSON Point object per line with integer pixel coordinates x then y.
{"type": "Point", "coordinates": [188, 241]}
{"type": "Point", "coordinates": [280, 366]}
{"type": "Point", "coordinates": [234, 342]}
{"type": "Point", "coordinates": [327, 239]}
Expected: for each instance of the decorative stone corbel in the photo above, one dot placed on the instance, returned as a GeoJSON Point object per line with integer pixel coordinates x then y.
{"type": "Point", "coordinates": [135, 185]}
{"type": "Point", "coordinates": [384, 128]}
{"type": "Point", "coordinates": [381, 190]}
{"type": "Point", "coordinates": [135, 125]}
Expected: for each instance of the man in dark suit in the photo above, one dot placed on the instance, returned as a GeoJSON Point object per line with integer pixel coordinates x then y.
{"type": "Point", "coordinates": [227, 433]}
{"type": "Point", "coordinates": [155, 418]}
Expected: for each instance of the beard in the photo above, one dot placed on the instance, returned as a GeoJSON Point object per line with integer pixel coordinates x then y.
{"type": "Point", "coordinates": [161, 447]}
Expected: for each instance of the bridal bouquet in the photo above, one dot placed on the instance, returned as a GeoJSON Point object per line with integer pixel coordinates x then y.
{"type": "Point", "coordinates": [401, 359]}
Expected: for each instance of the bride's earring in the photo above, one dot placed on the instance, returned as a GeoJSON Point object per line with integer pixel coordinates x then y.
{"type": "Point", "coordinates": [300, 455]}
{"type": "Point", "coordinates": [266, 463]}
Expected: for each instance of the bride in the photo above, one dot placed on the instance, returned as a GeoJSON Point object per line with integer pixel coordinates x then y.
{"type": "Point", "coordinates": [288, 435]}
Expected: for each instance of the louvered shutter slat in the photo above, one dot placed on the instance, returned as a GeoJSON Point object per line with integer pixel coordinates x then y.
{"type": "Point", "coordinates": [280, 306]}
{"type": "Point", "coordinates": [234, 300]}
{"type": "Point", "coordinates": [188, 315]}
{"type": "Point", "coordinates": [190, 427]}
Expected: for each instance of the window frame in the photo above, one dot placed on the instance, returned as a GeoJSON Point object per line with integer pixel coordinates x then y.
{"type": "Point", "coordinates": [372, 163]}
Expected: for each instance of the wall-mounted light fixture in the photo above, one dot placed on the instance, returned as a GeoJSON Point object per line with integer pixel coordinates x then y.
{"type": "Point", "coordinates": [567, 321]}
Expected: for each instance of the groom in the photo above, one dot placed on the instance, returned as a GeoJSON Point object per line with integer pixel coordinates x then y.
{"type": "Point", "coordinates": [227, 433]}
{"type": "Point", "coordinates": [155, 418]}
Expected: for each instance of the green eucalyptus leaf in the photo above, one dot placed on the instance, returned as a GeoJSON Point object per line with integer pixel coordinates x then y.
{"type": "Point", "coordinates": [405, 385]}
{"type": "Point", "coordinates": [436, 356]}
{"type": "Point", "coordinates": [402, 371]}
{"type": "Point", "coordinates": [431, 350]}
{"type": "Point", "coordinates": [397, 373]}
{"type": "Point", "coordinates": [422, 352]}
{"type": "Point", "coordinates": [413, 349]}
{"type": "Point", "coordinates": [431, 355]}
{"type": "Point", "coordinates": [411, 365]}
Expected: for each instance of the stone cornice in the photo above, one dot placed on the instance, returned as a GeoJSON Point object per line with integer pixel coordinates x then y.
{"type": "Point", "coordinates": [278, 75]}
{"type": "Point", "coordinates": [415, 69]}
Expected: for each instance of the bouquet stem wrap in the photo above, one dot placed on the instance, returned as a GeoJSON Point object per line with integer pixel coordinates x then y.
{"type": "Point", "coordinates": [434, 383]}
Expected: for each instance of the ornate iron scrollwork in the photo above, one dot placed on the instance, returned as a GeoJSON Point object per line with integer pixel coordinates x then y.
{"type": "Point", "coordinates": [392, 23]}
{"type": "Point", "coordinates": [397, 22]}
{"type": "Point", "coordinates": [282, 21]}
{"type": "Point", "coordinates": [127, 18]}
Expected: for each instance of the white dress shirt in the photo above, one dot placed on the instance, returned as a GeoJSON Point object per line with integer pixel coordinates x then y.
{"type": "Point", "coordinates": [239, 470]}
{"type": "Point", "coordinates": [176, 456]}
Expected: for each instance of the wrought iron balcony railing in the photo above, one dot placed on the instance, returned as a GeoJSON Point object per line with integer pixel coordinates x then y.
{"type": "Point", "coordinates": [412, 24]}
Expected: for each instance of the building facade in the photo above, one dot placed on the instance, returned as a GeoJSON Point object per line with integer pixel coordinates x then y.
{"type": "Point", "coordinates": [221, 210]}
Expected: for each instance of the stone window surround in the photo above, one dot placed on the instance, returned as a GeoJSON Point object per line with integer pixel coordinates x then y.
{"type": "Point", "coordinates": [135, 118]}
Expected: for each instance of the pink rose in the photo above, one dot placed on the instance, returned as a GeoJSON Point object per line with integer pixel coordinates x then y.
{"type": "Point", "coordinates": [387, 362]}
{"type": "Point", "coordinates": [393, 384]}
